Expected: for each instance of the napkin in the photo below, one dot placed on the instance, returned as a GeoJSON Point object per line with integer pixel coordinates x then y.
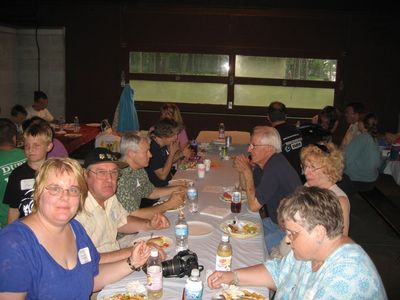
{"type": "Point", "coordinates": [215, 211]}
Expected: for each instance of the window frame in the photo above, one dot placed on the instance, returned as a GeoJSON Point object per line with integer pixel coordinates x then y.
{"type": "Point", "coordinates": [231, 80]}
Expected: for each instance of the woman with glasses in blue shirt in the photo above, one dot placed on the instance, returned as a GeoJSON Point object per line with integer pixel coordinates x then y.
{"type": "Point", "coordinates": [48, 255]}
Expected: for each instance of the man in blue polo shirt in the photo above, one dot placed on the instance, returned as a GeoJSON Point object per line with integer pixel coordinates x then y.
{"type": "Point", "coordinates": [267, 179]}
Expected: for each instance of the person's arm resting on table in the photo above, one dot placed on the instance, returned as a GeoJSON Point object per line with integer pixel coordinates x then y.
{"type": "Point", "coordinates": [136, 224]}
{"type": "Point", "coordinates": [242, 165]}
{"type": "Point", "coordinates": [257, 275]}
{"type": "Point", "coordinates": [111, 272]}
{"type": "Point", "coordinates": [159, 192]}
{"type": "Point", "coordinates": [176, 200]}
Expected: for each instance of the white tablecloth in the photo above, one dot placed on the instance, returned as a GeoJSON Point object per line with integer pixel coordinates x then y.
{"type": "Point", "coordinates": [393, 168]}
{"type": "Point", "coordinates": [245, 252]}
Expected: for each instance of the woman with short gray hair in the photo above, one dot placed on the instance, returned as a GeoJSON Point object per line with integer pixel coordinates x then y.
{"type": "Point", "coordinates": [322, 264]}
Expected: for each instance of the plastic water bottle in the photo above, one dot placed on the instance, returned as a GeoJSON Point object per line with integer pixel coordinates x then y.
{"type": "Point", "coordinates": [224, 255]}
{"type": "Point", "coordinates": [192, 198]}
{"type": "Point", "coordinates": [181, 233]}
{"type": "Point", "coordinates": [77, 127]}
{"type": "Point", "coordinates": [221, 131]}
{"type": "Point", "coordinates": [194, 286]}
{"type": "Point", "coordinates": [154, 276]}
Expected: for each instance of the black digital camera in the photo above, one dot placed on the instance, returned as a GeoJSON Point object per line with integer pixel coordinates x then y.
{"type": "Point", "coordinates": [180, 265]}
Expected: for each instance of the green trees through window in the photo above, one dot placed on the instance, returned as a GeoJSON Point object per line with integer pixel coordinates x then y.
{"type": "Point", "coordinates": [256, 80]}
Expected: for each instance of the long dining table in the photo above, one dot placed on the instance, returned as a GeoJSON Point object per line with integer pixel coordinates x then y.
{"type": "Point", "coordinates": [246, 252]}
{"type": "Point", "coordinates": [74, 140]}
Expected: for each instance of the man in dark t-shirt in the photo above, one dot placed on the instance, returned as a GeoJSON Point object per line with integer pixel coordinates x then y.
{"type": "Point", "coordinates": [291, 138]}
{"type": "Point", "coordinates": [159, 158]}
{"type": "Point", "coordinates": [268, 181]}
{"type": "Point", "coordinates": [164, 150]}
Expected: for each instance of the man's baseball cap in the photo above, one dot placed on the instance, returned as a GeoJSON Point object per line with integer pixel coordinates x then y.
{"type": "Point", "coordinates": [101, 155]}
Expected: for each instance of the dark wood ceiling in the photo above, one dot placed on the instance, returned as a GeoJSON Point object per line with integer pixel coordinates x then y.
{"type": "Point", "coordinates": [25, 12]}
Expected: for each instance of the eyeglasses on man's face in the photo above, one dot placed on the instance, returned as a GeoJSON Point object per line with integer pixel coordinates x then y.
{"type": "Point", "coordinates": [252, 146]}
{"type": "Point", "coordinates": [104, 174]}
{"type": "Point", "coordinates": [56, 190]}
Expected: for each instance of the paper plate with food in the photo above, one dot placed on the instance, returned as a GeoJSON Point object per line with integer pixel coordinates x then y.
{"type": "Point", "coordinates": [243, 229]}
{"type": "Point", "coordinates": [233, 292]}
{"type": "Point", "coordinates": [188, 165]}
{"type": "Point", "coordinates": [124, 296]}
{"type": "Point", "coordinates": [133, 291]}
{"type": "Point", "coordinates": [227, 196]}
{"type": "Point", "coordinates": [163, 242]}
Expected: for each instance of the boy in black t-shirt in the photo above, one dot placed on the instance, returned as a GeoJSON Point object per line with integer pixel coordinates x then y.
{"type": "Point", "coordinates": [38, 141]}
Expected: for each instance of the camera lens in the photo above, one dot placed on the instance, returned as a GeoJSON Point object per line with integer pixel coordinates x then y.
{"type": "Point", "coordinates": [172, 267]}
{"type": "Point", "coordinates": [180, 265]}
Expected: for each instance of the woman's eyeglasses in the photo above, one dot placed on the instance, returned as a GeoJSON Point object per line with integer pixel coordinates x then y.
{"type": "Point", "coordinates": [292, 235]}
{"type": "Point", "coordinates": [56, 190]}
{"type": "Point", "coordinates": [310, 167]}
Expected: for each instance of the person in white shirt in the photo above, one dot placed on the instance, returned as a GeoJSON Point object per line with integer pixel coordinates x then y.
{"type": "Point", "coordinates": [39, 107]}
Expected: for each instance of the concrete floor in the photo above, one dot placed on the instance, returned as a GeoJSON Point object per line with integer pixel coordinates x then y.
{"type": "Point", "coordinates": [377, 238]}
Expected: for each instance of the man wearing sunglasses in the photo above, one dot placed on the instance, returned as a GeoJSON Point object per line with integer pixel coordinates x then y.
{"type": "Point", "coordinates": [267, 179]}
{"type": "Point", "coordinates": [103, 216]}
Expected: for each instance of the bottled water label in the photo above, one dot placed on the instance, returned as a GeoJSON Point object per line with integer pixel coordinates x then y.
{"type": "Point", "coordinates": [193, 291]}
{"type": "Point", "coordinates": [223, 263]}
{"type": "Point", "coordinates": [192, 194]}
{"type": "Point", "coordinates": [181, 230]}
{"type": "Point", "coordinates": [154, 278]}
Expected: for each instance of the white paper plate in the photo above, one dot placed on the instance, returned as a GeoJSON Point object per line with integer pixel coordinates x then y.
{"type": "Point", "coordinates": [237, 293]}
{"type": "Point", "coordinates": [110, 294]}
{"type": "Point", "coordinates": [93, 124]}
{"type": "Point", "coordinates": [198, 229]}
{"type": "Point", "coordinates": [241, 235]}
{"type": "Point", "coordinates": [167, 240]}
